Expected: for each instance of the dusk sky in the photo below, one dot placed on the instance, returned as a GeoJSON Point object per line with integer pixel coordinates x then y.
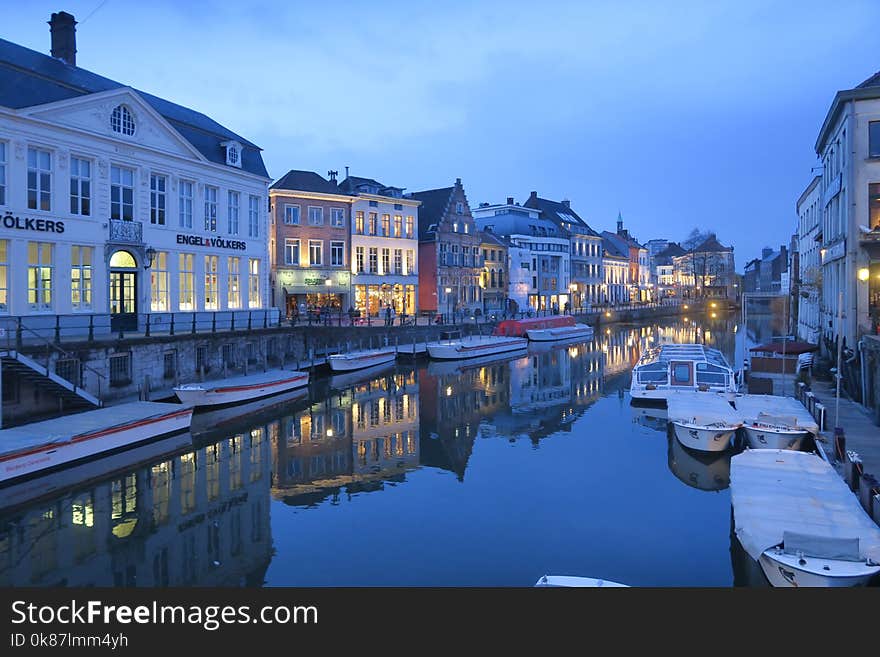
{"type": "Point", "coordinates": [679, 115]}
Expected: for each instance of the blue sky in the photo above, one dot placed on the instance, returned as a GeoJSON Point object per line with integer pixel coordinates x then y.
{"type": "Point", "coordinates": [677, 114]}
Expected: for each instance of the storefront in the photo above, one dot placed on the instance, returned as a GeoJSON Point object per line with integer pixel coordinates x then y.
{"type": "Point", "coordinates": [375, 298]}
{"type": "Point", "coordinates": [313, 288]}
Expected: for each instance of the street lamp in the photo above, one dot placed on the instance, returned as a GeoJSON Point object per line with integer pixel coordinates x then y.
{"type": "Point", "coordinates": [151, 256]}
{"type": "Point", "coordinates": [448, 291]}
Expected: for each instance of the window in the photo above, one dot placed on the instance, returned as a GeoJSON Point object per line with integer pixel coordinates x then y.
{"type": "Point", "coordinates": [386, 225]}
{"type": "Point", "coordinates": [122, 121]}
{"type": "Point", "coordinates": [359, 222]}
{"type": "Point", "coordinates": [4, 276]}
{"type": "Point", "coordinates": [253, 283]}
{"type": "Point", "coordinates": [39, 179]}
{"type": "Point", "coordinates": [121, 193]}
{"type": "Point", "coordinates": [159, 301]}
{"type": "Point", "coordinates": [467, 229]}
{"type": "Point", "coordinates": [374, 260]}
{"type": "Point", "coordinates": [874, 139]}
{"type": "Point", "coordinates": [233, 153]}
{"type": "Point", "coordinates": [410, 222]}
{"type": "Point", "coordinates": [291, 252]}
{"type": "Point", "coordinates": [81, 277]}
{"type": "Point", "coordinates": [80, 185]}
{"type": "Point", "coordinates": [398, 225]}
{"type": "Point", "coordinates": [874, 205]}
{"type": "Point", "coordinates": [454, 226]}
{"type": "Point", "coordinates": [186, 297]}
{"type": "Point", "coordinates": [337, 254]}
{"type": "Point", "coordinates": [185, 204]}
{"type": "Point", "coordinates": [386, 261]}
{"type": "Point", "coordinates": [253, 216]}
{"type": "Point", "coordinates": [316, 252]}
{"type": "Point", "coordinates": [233, 283]}
{"type": "Point", "coordinates": [374, 223]}
{"type": "Point", "coordinates": [2, 173]}
{"type": "Point", "coordinates": [40, 275]}
{"type": "Point", "coordinates": [120, 370]}
{"type": "Point", "coordinates": [459, 208]}
{"type": "Point", "coordinates": [337, 217]}
{"type": "Point", "coordinates": [359, 259]}
{"type": "Point", "coordinates": [410, 262]}
{"type": "Point", "coordinates": [398, 261]}
{"type": "Point", "coordinates": [157, 199]}
{"type": "Point", "coordinates": [233, 199]}
{"type": "Point", "coordinates": [500, 278]}
{"type": "Point", "coordinates": [291, 215]}
{"type": "Point", "coordinates": [316, 216]}
{"type": "Point", "coordinates": [210, 208]}
{"type": "Point", "coordinates": [169, 365]}
{"type": "Point", "coordinates": [211, 300]}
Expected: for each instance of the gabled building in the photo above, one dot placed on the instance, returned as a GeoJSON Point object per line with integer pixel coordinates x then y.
{"type": "Point", "coordinates": [384, 247]}
{"type": "Point", "coordinates": [616, 267]}
{"type": "Point", "coordinates": [449, 248]}
{"type": "Point", "coordinates": [707, 270]}
{"type": "Point", "coordinates": [639, 267]}
{"type": "Point", "coordinates": [663, 270]}
{"type": "Point", "coordinates": [310, 242]}
{"type": "Point", "coordinates": [495, 277]}
{"type": "Point", "coordinates": [586, 249]}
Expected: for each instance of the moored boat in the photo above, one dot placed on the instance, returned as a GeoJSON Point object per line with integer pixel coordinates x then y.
{"type": "Point", "coordinates": [41, 446]}
{"type": "Point", "coordinates": [240, 389]}
{"type": "Point", "coordinates": [357, 360]}
{"type": "Point", "coordinates": [452, 346]}
{"type": "Point", "coordinates": [772, 422]}
{"type": "Point", "coordinates": [669, 368]}
{"type": "Point", "coordinates": [573, 581]}
{"type": "Point", "coordinates": [703, 421]}
{"type": "Point", "coordinates": [544, 329]}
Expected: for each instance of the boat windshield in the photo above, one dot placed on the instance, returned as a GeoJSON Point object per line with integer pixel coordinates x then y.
{"type": "Point", "coordinates": [712, 375]}
{"type": "Point", "coordinates": [653, 372]}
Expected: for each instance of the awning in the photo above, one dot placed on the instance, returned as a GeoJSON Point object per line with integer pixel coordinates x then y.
{"type": "Point", "coordinates": [287, 291]}
{"type": "Point", "coordinates": [790, 348]}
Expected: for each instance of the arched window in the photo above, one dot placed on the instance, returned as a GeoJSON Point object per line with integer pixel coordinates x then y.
{"type": "Point", "coordinates": [122, 260]}
{"type": "Point", "coordinates": [122, 121]}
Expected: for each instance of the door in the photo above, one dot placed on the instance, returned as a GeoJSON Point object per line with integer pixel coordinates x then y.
{"type": "Point", "coordinates": [123, 301]}
{"type": "Point", "coordinates": [682, 373]}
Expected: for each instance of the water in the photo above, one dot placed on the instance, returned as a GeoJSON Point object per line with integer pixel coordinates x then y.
{"type": "Point", "coordinates": [449, 474]}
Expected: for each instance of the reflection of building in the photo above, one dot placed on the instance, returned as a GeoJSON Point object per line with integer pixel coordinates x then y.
{"type": "Point", "coordinates": [354, 438]}
{"type": "Point", "coordinates": [539, 381]}
{"type": "Point", "coordinates": [199, 518]}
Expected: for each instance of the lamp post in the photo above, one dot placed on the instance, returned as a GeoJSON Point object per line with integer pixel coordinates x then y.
{"type": "Point", "coordinates": [448, 291]}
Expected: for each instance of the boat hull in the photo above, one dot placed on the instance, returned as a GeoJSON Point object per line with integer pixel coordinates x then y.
{"type": "Point", "coordinates": [787, 571]}
{"type": "Point", "coordinates": [351, 362]}
{"type": "Point", "coordinates": [457, 350]}
{"type": "Point", "coordinates": [218, 395]}
{"type": "Point", "coordinates": [17, 466]}
{"type": "Point", "coordinates": [580, 582]}
{"type": "Point", "coordinates": [562, 333]}
{"type": "Point", "coordinates": [769, 438]}
{"type": "Point", "coordinates": [703, 438]}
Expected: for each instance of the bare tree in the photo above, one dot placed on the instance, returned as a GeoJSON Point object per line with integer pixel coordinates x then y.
{"type": "Point", "coordinates": [695, 238]}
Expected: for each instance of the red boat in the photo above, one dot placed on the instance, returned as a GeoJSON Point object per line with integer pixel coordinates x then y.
{"type": "Point", "coordinates": [553, 327]}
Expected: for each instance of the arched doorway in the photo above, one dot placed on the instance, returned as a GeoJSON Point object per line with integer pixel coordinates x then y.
{"type": "Point", "coordinates": [123, 292]}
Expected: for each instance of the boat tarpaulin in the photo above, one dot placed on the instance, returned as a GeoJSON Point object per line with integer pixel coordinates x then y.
{"type": "Point", "coordinates": [701, 408]}
{"type": "Point", "coordinates": [750, 407]}
{"type": "Point", "coordinates": [779, 493]}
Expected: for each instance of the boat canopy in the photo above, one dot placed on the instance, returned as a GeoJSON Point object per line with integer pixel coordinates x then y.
{"type": "Point", "coordinates": [518, 327]}
{"type": "Point", "coordinates": [789, 348]}
{"type": "Point", "coordinates": [700, 408]}
{"type": "Point", "coordinates": [695, 352]}
{"type": "Point", "coordinates": [797, 500]}
{"type": "Point", "coordinates": [785, 410]}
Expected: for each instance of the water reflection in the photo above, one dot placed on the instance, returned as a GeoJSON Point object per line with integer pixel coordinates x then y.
{"type": "Point", "coordinates": [704, 471]}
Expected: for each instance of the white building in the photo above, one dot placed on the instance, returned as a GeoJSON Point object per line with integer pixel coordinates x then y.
{"type": "Point", "coordinates": [810, 262]}
{"type": "Point", "coordinates": [384, 247]}
{"type": "Point", "coordinates": [616, 266]}
{"type": "Point", "coordinates": [538, 255]}
{"type": "Point", "coordinates": [849, 147]}
{"type": "Point", "coordinates": [118, 202]}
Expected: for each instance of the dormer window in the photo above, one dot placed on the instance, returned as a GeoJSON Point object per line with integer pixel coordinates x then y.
{"type": "Point", "coordinates": [459, 208]}
{"type": "Point", "coordinates": [233, 153]}
{"type": "Point", "coordinates": [122, 121]}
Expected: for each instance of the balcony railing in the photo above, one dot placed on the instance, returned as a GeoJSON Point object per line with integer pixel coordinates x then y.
{"type": "Point", "coordinates": [126, 231]}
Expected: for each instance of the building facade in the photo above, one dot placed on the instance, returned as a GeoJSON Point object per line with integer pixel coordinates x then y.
{"type": "Point", "coordinates": [494, 278]}
{"type": "Point", "coordinates": [384, 247]}
{"type": "Point", "coordinates": [616, 267]}
{"type": "Point", "coordinates": [119, 203]}
{"type": "Point", "coordinates": [310, 244]}
{"type": "Point", "coordinates": [809, 260]}
{"type": "Point", "coordinates": [538, 255]}
{"type": "Point", "coordinates": [641, 288]}
{"type": "Point", "coordinates": [707, 270]}
{"type": "Point", "coordinates": [450, 241]}
{"type": "Point", "coordinates": [663, 270]}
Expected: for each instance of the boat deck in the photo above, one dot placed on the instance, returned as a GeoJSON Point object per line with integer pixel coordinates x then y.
{"type": "Point", "coordinates": [247, 380]}
{"type": "Point", "coordinates": [65, 428]}
{"type": "Point", "coordinates": [701, 407]}
{"type": "Point", "coordinates": [777, 491]}
{"type": "Point", "coordinates": [749, 406]}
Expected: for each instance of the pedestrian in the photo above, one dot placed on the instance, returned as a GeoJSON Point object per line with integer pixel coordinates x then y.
{"type": "Point", "coordinates": [387, 315]}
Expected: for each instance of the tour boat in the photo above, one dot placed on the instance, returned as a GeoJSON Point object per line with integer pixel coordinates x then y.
{"type": "Point", "coordinates": [241, 388]}
{"type": "Point", "coordinates": [569, 580]}
{"type": "Point", "coordinates": [545, 329]}
{"type": "Point", "coordinates": [775, 422]}
{"type": "Point", "coordinates": [357, 360]}
{"type": "Point", "coordinates": [40, 446]}
{"type": "Point", "coordinates": [702, 421]}
{"type": "Point", "coordinates": [452, 346]}
{"type": "Point", "coordinates": [672, 367]}
{"type": "Point", "coordinates": [800, 521]}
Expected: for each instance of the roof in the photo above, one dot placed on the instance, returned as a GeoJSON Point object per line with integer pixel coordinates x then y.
{"type": "Point", "coordinates": [434, 204]}
{"type": "Point", "coordinates": [790, 348]}
{"type": "Point", "coordinates": [490, 237]}
{"type": "Point", "coordinates": [351, 183]}
{"type": "Point", "coordinates": [29, 78]}
{"type": "Point", "coordinates": [711, 245]}
{"type": "Point", "coordinates": [674, 250]}
{"type": "Point", "coordinates": [559, 213]}
{"type": "Point", "coordinates": [612, 248]}
{"type": "Point", "coordinates": [306, 181]}
{"type": "Point", "coordinates": [873, 81]}
{"type": "Point", "coordinates": [867, 90]}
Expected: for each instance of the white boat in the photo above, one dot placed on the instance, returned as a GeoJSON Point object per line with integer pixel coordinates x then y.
{"type": "Point", "coordinates": [40, 446]}
{"type": "Point", "coordinates": [702, 421]}
{"type": "Point", "coordinates": [569, 580]}
{"type": "Point", "coordinates": [241, 388]}
{"type": "Point", "coordinates": [673, 367]}
{"type": "Point", "coordinates": [799, 520]}
{"type": "Point", "coordinates": [772, 422]}
{"type": "Point", "coordinates": [215, 419]}
{"type": "Point", "coordinates": [348, 379]}
{"type": "Point", "coordinates": [357, 360]}
{"type": "Point", "coordinates": [474, 346]}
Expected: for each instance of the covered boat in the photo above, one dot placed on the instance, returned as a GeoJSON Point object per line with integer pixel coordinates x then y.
{"type": "Point", "coordinates": [674, 367]}
{"type": "Point", "coordinates": [704, 421]}
{"type": "Point", "coordinates": [545, 329]}
{"type": "Point", "coordinates": [797, 518]}
{"type": "Point", "coordinates": [358, 360]}
{"type": "Point", "coordinates": [238, 389]}
{"type": "Point", "coordinates": [570, 580]}
{"type": "Point", "coordinates": [774, 422]}
{"type": "Point", "coordinates": [452, 346]}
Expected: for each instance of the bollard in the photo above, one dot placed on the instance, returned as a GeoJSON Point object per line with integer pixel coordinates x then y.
{"type": "Point", "coordinates": [852, 470]}
{"type": "Point", "coordinates": [868, 488]}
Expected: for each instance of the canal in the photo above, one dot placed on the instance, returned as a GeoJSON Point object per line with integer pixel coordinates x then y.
{"type": "Point", "coordinates": [430, 474]}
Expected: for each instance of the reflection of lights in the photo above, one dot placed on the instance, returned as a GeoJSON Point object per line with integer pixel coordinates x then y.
{"type": "Point", "coordinates": [608, 331]}
{"type": "Point", "coordinates": [685, 320]}
{"type": "Point", "coordinates": [573, 351]}
{"type": "Point", "coordinates": [685, 306]}
{"type": "Point", "coordinates": [605, 348]}
{"type": "Point", "coordinates": [713, 305]}
{"type": "Point", "coordinates": [735, 328]}
{"type": "Point", "coordinates": [329, 433]}
{"type": "Point", "coordinates": [449, 391]}
{"type": "Point", "coordinates": [714, 315]}
{"type": "Point", "coordinates": [607, 314]}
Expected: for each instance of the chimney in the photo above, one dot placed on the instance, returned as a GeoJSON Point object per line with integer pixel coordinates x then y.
{"type": "Point", "coordinates": [346, 172]}
{"type": "Point", "coordinates": [533, 195]}
{"type": "Point", "coordinates": [509, 200]}
{"type": "Point", "coordinates": [566, 203]}
{"type": "Point", "coordinates": [62, 27]}
{"type": "Point", "coordinates": [332, 175]}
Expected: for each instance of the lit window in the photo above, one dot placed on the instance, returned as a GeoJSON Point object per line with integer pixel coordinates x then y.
{"type": "Point", "coordinates": [233, 285]}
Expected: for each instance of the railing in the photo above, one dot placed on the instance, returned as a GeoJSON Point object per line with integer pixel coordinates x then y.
{"type": "Point", "coordinates": [126, 231]}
